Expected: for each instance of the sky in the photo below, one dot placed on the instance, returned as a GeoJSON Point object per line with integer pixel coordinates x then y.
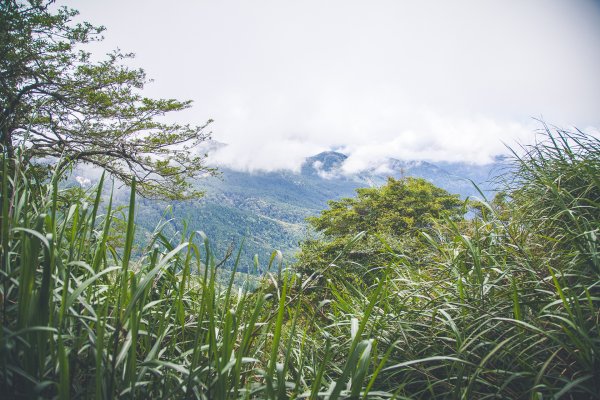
{"type": "Point", "coordinates": [412, 80]}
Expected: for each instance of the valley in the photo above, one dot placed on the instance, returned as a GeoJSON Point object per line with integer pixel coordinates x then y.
{"type": "Point", "coordinates": [267, 210]}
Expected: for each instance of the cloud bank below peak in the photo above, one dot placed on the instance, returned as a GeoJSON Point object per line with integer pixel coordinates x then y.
{"type": "Point", "coordinates": [428, 138]}
{"type": "Point", "coordinates": [426, 80]}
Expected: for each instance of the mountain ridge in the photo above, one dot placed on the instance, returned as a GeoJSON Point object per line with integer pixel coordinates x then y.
{"type": "Point", "coordinates": [267, 210]}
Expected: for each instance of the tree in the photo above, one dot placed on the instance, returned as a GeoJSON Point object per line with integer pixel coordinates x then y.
{"type": "Point", "coordinates": [399, 207]}
{"type": "Point", "coordinates": [392, 216]}
{"type": "Point", "coordinates": [59, 104]}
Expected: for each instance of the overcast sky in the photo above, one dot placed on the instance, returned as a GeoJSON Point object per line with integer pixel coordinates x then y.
{"type": "Point", "coordinates": [433, 80]}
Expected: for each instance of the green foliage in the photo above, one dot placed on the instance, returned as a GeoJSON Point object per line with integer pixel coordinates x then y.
{"type": "Point", "coordinates": [82, 318]}
{"type": "Point", "coordinates": [506, 304]}
{"type": "Point", "coordinates": [392, 216]}
{"type": "Point", "coordinates": [561, 172]}
{"type": "Point", "coordinates": [60, 104]}
{"type": "Point", "coordinates": [401, 296]}
{"type": "Point", "coordinates": [268, 210]}
{"type": "Point", "coordinates": [399, 207]}
{"type": "Point", "coordinates": [502, 305]}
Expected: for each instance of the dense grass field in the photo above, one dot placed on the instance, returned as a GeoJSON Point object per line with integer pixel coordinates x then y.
{"type": "Point", "coordinates": [504, 305]}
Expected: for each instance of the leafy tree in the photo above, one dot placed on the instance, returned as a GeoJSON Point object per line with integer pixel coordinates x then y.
{"type": "Point", "coordinates": [399, 207]}
{"type": "Point", "coordinates": [58, 103]}
{"type": "Point", "coordinates": [391, 216]}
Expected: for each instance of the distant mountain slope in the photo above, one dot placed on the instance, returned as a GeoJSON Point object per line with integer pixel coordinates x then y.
{"type": "Point", "coordinates": [268, 209]}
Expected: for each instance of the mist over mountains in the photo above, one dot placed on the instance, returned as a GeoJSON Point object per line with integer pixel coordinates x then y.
{"type": "Point", "coordinates": [267, 210]}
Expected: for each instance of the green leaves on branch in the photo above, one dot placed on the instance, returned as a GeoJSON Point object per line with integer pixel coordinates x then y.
{"type": "Point", "coordinates": [61, 105]}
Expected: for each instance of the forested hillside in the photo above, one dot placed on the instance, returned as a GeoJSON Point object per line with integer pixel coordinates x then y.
{"type": "Point", "coordinates": [267, 211]}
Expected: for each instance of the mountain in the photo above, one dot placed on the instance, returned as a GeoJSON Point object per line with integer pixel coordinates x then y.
{"type": "Point", "coordinates": [328, 162]}
{"type": "Point", "coordinates": [267, 210]}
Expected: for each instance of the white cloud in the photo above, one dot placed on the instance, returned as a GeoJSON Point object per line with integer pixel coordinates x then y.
{"type": "Point", "coordinates": [441, 140]}
{"type": "Point", "coordinates": [277, 154]}
{"type": "Point", "coordinates": [412, 80]}
{"type": "Point", "coordinates": [424, 136]}
{"type": "Point", "coordinates": [324, 173]}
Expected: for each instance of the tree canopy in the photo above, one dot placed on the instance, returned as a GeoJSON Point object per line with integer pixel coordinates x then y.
{"type": "Point", "coordinates": [391, 216]}
{"type": "Point", "coordinates": [57, 103]}
{"type": "Point", "coordinates": [397, 207]}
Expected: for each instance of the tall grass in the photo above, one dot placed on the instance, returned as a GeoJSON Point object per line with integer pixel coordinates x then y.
{"type": "Point", "coordinates": [511, 307]}
{"type": "Point", "coordinates": [508, 308]}
{"type": "Point", "coordinates": [82, 319]}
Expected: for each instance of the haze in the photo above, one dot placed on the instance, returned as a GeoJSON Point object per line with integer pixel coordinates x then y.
{"type": "Point", "coordinates": [427, 80]}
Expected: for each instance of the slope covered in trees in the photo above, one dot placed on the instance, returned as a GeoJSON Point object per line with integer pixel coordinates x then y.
{"type": "Point", "coordinates": [268, 210]}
